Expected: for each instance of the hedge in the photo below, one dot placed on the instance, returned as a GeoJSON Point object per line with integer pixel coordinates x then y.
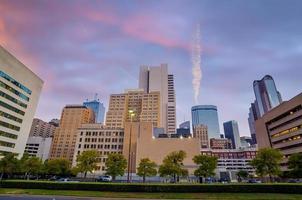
{"type": "Point", "coordinates": [168, 188]}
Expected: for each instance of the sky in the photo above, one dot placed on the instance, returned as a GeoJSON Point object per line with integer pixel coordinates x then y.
{"type": "Point", "coordinates": [80, 48]}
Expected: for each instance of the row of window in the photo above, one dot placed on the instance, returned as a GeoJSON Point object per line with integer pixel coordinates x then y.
{"type": "Point", "coordinates": [12, 99]}
{"type": "Point", "coordinates": [16, 92]}
{"type": "Point", "coordinates": [16, 110]}
{"type": "Point", "coordinates": [8, 135]}
{"type": "Point", "coordinates": [10, 126]}
{"type": "Point", "coordinates": [11, 117]}
{"type": "Point", "coordinates": [107, 133]}
{"type": "Point", "coordinates": [16, 83]}
{"type": "Point", "coordinates": [287, 131]}
{"type": "Point", "coordinates": [7, 144]}
{"type": "Point", "coordinates": [101, 146]}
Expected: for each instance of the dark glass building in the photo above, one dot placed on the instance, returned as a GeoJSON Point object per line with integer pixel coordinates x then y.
{"type": "Point", "coordinates": [206, 115]}
{"type": "Point", "coordinates": [231, 131]}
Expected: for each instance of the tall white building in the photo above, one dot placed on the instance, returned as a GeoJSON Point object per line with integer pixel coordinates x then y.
{"type": "Point", "coordinates": [20, 89]}
{"type": "Point", "coordinates": [156, 78]}
{"type": "Point", "coordinates": [38, 146]}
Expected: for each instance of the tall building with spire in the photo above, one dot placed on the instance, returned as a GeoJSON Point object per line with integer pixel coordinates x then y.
{"type": "Point", "coordinates": [266, 98]}
{"type": "Point", "coordinates": [156, 78]}
{"type": "Point", "coordinates": [98, 109]}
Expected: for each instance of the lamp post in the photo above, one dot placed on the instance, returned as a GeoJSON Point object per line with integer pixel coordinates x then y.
{"type": "Point", "coordinates": [131, 113]}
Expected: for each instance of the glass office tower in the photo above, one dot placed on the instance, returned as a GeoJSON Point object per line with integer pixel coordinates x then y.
{"type": "Point", "coordinates": [206, 115]}
{"type": "Point", "coordinates": [231, 131]}
{"type": "Point", "coordinates": [98, 109]}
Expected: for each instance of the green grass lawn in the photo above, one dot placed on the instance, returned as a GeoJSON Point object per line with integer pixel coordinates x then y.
{"type": "Point", "coordinates": [203, 196]}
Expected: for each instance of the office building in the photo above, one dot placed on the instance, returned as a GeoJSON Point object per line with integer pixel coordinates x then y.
{"type": "Point", "coordinates": [281, 128]}
{"type": "Point", "coordinates": [144, 145]}
{"type": "Point", "coordinates": [37, 146]}
{"type": "Point", "coordinates": [145, 107]}
{"type": "Point", "coordinates": [220, 143]}
{"type": "Point", "coordinates": [156, 78]}
{"type": "Point", "coordinates": [65, 136]}
{"type": "Point", "coordinates": [230, 161]}
{"type": "Point", "coordinates": [246, 141]}
{"type": "Point", "coordinates": [206, 115]}
{"type": "Point", "coordinates": [98, 137]}
{"type": "Point", "coordinates": [39, 128]}
{"type": "Point", "coordinates": [201, 132]}
{"type": "Point", "coordinates": [20, 89]}
{"type": "Point", "coordinates": [231, 131]}
{"type": "Point", "coordinates": [267, 97]}
{"type": "Point", "coordinates": [185, 124]}
{"type": "Point", "coordinates": [98, 109]}
{"type": "Point", "coordinates": [55, 122]}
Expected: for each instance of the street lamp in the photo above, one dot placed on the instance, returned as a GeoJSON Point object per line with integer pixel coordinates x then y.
{"type": "Point", "coordinates": [132, 114]}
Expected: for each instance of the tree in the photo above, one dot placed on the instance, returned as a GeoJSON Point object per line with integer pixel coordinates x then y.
{"type": "Point", "coordinates": [30, 165]}
{"type": "Point", "coordinates": [242, 174]}
{"type": "Point", "coordinates": [87, 161]}
{"type": "Point", "coordinates": [115, 165]}
{"type": "Point", "coordinates": [8, 164]}
{"type": "Point", "coordinates": [146, 168]}
{"type": "Point", "coordinates": [267, 162]}
{"type": "Point", "coordinates": [173, 165]}
{"type": "Point", "coordinates": [295, 165]}
{"type": "Point", "coordinates": [59, 167]}
{"type": "Point", "coordinates": [206, 165]}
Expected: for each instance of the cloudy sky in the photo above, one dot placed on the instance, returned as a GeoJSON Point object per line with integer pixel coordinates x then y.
{"type": "Point", "coordinates": [84, 47]}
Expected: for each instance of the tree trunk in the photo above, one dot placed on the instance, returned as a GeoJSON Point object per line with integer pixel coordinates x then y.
{"type": "Point", "coordinates": [144, 179]}
{"type": "Point", "coordinates": [85, 174]}
{"type": "Point", "coordinates": [174, 177]}
{"type": "Point", "coordinates": [1, 176]}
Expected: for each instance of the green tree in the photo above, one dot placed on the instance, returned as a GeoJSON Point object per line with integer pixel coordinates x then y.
{"type": "Point", "coordinates": [30, 165]}
{"type": "Point", "coordinates": [242, 174]}
{"type": "Point", "coordinates": [59, 167]}
{"type": "Point", "coordinates": [267, 162]}
{"type": "Point", "coordinates": [206, 165]}
{"type": "Point", "coordinates": [173, 165]}
{"type": "Point", "coordinates": [146, 168]}
{"type": "Point", "coordinates": [8, 164]}
{"type": "Point", "coordinates": [87, 161]}
{"type": "Point", "coordinates": [115, 165]}
{"type": "Point", "coordinates": [295, 165]}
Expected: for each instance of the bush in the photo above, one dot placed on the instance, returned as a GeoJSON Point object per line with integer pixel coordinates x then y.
{"type": "Point", "coordinates": [176, 188]}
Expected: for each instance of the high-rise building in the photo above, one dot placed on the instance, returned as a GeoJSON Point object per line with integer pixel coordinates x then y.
{"type": "Point", "coordinates": [157, 79]}
{"type": "Point", "coordinates": [246, 141]}
{"type": "Point", "coordinates": [201, 132]}
{"type": "Point", "coordinates": [185, 124]}
{"type": "Point", "coordinates": [20, 89]}
{"type": "Point", "coordinates": [98, 109]}
{"type": "Point", "coordinates": [206, 115]}
{"type": "Point", "coordinates": [65, 136]}
{"type": "Point", "coordinates": [145, 107]}
{"type": "Point", "coordinates": [231, 131]}
{"type": "Point", "coordinates": [55, 122]}
{"type": "Point", "coordinates": [281, 128]}
{"type": "Point", "coordinates": [267, 97]}
{"type": "Point", "coordinates": [39, 128]}
{"type": "Point", "coordinates": [220, 143]}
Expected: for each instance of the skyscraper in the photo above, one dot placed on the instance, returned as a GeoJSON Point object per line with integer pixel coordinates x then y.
{"type": "Point", "coordinates": [157, 79]}
{"type": "Point", "coordinates": [231, 131]}
{"type": "Point", "coordinates": [201, 131]}
{"type": "Point", "coordinates": [98, 109]}
{"type": "Point", "coordinates": [206, 115]}
{"type": "Point", "coordinates": [39, 128]}
{"type": "Point", "coordinates": [65, 136]}
{"type": "Point", "coordinates": [145, 107]}
{"type": "Point", "coordinates": [267, 97]}
{"type": "Point", "coordinates": [20, 89]}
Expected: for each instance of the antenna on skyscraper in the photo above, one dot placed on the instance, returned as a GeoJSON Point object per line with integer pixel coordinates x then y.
{"type": "Point", "coordinates": [95, 96]}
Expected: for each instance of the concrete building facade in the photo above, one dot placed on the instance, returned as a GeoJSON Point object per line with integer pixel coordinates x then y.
{"type": "Point", "coordinates": [201, 132]}
{"type": "Point", "coordinates": [156, 78]}
{"type": "Point", "coordinates": [281, 128]}
{"type": "Point", "coordinates": [98, 137]}
{"type": "Point", "coordinates": [39, 128]}
{"type": "Point", "coordinates": [220, 143]}
{"type": "Point", "coordinates": [37, 146]}
{"type": "Point", "coordinates": [65, 136]}
{"type": "Point", "coordinates": [20, 89]}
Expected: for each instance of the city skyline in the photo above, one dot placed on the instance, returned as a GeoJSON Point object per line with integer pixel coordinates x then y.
{"type": "Point", "coordinates": [99, 49]}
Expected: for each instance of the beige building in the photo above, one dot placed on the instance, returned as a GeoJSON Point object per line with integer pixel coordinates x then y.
{"type": "Point", "coordinates": [139, 143]}
{"type": "Point", "coordinates": [281, 128]}
{"type": "Point", "coordinates": [98, 137]}
{"type": "Point", "coordinates": [156, 78]}
{"type": "Point", "coordinates": [201, 132]}
{"type": "Point", "coordinates": [39, 128]}
{"type": "Point", "coordinates": [37, 146]}
{"type": "Point", "coordinates": [145, 107]}
{"type": "Point", "coordinates": [20, 89]}
{"type": "Point", "coordinates": [220, 143]}
{"type": "Point", "coordinates": [65, 136]}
